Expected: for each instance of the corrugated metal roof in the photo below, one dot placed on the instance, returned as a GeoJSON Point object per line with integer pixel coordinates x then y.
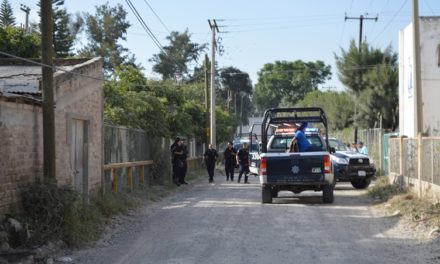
{"type": "Point", "coordinates": [20, 79]}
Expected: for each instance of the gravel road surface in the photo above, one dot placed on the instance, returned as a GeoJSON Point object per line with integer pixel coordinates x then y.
{"type": "Point", "coordinates": [225, 222]}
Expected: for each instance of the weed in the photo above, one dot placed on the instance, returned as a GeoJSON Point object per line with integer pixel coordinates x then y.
{"type": "Point", "coordinates": [383, 190]}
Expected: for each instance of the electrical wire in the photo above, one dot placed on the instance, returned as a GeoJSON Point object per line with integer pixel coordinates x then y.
{"type": "Point", "coordinates": [390, 21]}
{"type": "Point", "coordinates": [158, 18]}
{"type": "Point", "coordinates": [429, 7]}
{"type": "Point", "coordinates": [56, 68]}
{"type": "Point", "coordinates": [144, 25]}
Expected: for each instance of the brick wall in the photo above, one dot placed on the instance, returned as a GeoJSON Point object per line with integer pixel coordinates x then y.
{"type": "Point", "coordinates": [79, 97]}
{"type": "Point", "coordinates": [21, 133]}
{"type": "Point", "coordinates": [21, 149]}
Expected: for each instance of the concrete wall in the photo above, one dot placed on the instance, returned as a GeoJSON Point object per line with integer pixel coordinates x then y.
{"type": "Point", "coordinates": [79, 97]}
{"type": "Point", "coordinates": [430, 70]}
{"type": "Point", "coordinates": [21, 149]}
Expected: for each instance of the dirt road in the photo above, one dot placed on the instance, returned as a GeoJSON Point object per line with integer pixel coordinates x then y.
{"type": "Point", "coordinates": [225, 222]}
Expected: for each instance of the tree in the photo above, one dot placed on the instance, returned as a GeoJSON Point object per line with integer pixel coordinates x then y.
{"type": "Point", "coordinates": [371, 75]}
{"type": "Point", "coordinates": [286, 82]}
{"type": "Point", "coordinates": [63, 37]}
{"type": "Point", "coordinates": [236, 89]}
{"type": "Point", "coordinates": [173, 61]}
{"type": "Point", "coordinates": [16, 41]}
{"type": "Point", "coordinates": [104, 30]}
{"type": "Point", "coordinates": [338, 107]}
{"type": "Point", "coordinates": [7, 18]}
{"type": "Point", "coordinates": [129, 105]}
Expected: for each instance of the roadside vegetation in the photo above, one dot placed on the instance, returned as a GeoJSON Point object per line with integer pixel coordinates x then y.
{"type": "Point", "coordinates": [401, 201]}
{"type": "Point", "coordinates": [55, 213]}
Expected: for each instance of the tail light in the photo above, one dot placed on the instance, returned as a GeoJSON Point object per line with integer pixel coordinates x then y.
{"type": "Point", "coordinates": [327, 164]}
{"type": "Point", "coordinates": [263, 166]}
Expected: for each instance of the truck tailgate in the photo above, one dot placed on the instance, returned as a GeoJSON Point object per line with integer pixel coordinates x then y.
{"type": "Point", "coordinates": [296, 167]}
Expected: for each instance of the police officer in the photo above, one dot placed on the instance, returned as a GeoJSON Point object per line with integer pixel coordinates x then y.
{"type": "Point", "coordinates": [230, 160]}
{"type": "Point", "coordinates": [210, 159]}
{"type": "Point", "coordinates": [178, 162]}
{"type": "Point", "coordinates": [174, 159]}
{"type": "Point", "coordinates": [185, 164]}
{"type": "Point", "coordinates": [243, 161]}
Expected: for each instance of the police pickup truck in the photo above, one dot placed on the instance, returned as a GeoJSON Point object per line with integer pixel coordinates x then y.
{"type": "Point", "coordinates": [294, 171]}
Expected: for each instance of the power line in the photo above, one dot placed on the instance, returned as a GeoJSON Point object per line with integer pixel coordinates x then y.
{"type": "Point", "coordinates": [84, 75]}
{"type": "Point", "coordinates": [429, 7]}
{"type": "Point", "coordinates": [158, 18]}
{"type": "Point", "coordinates": [392, 19]}
{"type": "Point", "coordinates": [144, 25]}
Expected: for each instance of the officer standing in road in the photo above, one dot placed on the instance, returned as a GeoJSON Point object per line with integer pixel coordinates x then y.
{"type": "Point", "coordinates": [185, 164]}
{"type": "Point", "coordinates": [174, 159]}
{"type": "Point", "coordinates": [243, 161]}
{"type": "Point", "coordinates": [178, 162]}
{"type": "Point", "coordinates": [230, 160]}
{"type": "Point", "coordinates": [210, 159]}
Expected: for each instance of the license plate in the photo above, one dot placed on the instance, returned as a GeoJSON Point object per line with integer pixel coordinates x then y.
{"type": "Point", "coordinates": [362, 173]}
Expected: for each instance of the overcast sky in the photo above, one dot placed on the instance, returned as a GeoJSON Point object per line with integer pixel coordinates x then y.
{"type": "Point", "coordinates": [258, 32]}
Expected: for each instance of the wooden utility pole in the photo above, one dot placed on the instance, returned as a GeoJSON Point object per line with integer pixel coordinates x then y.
{"type": "Point", "coordinates": [48, 90]}
{"type": "Point", "coordinates": [361, 22]}
{"type": "Point", "coordinates": [416, 67]}
{"type": "Point", "coordinates": [214, 28]}
{"type": "Point", "coordinates": [206, 100]}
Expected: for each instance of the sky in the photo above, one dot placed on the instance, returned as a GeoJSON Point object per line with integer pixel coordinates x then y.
{"type": "Point", "coordinates": [256, 32]}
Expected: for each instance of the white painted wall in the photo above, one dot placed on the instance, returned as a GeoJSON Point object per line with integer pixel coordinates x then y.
{"type": "Point", "coordinates": [430, 75]}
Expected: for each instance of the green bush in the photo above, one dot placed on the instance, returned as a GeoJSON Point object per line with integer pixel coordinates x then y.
{"type": "Point", "coordinates": [58, 213]}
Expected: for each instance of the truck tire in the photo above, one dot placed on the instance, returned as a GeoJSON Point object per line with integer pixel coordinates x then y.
{"type": "Point", "coordinates": [327, 194]}
{"type": "Point", "coordinates": [274, 193]}
{"type": "Point", "coordinates": [266, 194]}
{"type": "Point", "coordinates": [361, 183]}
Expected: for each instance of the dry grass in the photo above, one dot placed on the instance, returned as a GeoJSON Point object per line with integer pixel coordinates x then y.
{"type": "Point", "coordinates": [420, 211]}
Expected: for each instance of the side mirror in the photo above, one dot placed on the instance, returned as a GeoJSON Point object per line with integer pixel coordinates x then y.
{"type": "Point", "coordinates": [332, 150]}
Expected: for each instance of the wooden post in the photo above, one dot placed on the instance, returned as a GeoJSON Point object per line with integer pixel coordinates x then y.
{"type": "Point", "coordinates": [115, 180]}
{"type": "Point", "coordinates": [142, 174]}
{"type": "Point", "coordinates": [130, 178]}
{"type": "Point", "coordinates": [419, 163]}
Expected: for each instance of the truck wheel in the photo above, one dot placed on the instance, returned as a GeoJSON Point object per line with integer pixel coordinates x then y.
{"type": "Point", "coordinates": [361, 183]}
{"type": "Point", "coordinates": [327, 194]}
{"type": "Point", "coordinates": [266, 194]}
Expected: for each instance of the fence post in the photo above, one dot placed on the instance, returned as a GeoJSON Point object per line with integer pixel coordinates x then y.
{"type": "Point", "coordinates": [142, 174]}
{"type": "Point", "coordinates": [401, 160]}
{"type": "Point", "coordinates": [115, 180]}
{"type": "Point", "coordinates": [130, 178]}
{"type": "Point", "coordinates": [419, 163]}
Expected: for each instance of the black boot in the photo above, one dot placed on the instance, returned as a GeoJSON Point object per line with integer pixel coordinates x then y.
{"type": "Point", "coordinates": [246, 179]}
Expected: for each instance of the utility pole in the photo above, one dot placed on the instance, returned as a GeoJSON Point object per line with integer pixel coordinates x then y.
{"type": "Point", "coordinates": [48, 91]}
{"type": "Point", "coordinates": [214, 28]}
{"type": "Point", "coordinates": [206, 100]}
{"type": "Point", "coordinates": [26, 9]}
{"type": "Point", "coordinates": [361, 22]}
{"type": "Point", "coordinates": [416, 69]}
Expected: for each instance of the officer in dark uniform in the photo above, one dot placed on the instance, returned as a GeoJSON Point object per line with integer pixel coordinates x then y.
{"type": "Point", "coordinates": [178, 162]}
{"type": "Point", "coordinates": [185, 164]}
{"type": "Point", "coordinates": [230, 160]}
{"type": "Point", "coordinates": [174, 157]}
{"type": "Point", "coordinates": [243, 161]}
{"type": "Point", "coordinates": [210, 159]}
